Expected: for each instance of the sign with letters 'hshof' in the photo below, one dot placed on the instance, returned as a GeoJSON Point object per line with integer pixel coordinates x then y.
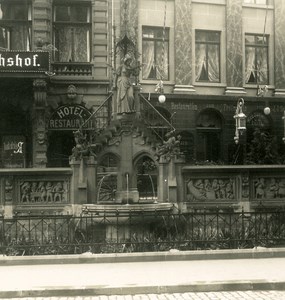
{"type": "Point", "coordinates": [24, 61]}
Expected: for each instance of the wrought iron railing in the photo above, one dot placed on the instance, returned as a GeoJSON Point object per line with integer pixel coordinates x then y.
{"type": "Point", "coordinates": [141, 232]}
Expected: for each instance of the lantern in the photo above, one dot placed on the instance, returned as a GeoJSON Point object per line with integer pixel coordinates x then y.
{"type": "Point", "coordinates": [161, 98]}
{"type": "Point", "coordinates": [240, 118]}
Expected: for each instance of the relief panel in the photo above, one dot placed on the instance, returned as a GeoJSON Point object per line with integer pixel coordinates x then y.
{"type": "Point", "coordinates": [268, 188]}
{"type": "Point", "coordinates": [214, 189]}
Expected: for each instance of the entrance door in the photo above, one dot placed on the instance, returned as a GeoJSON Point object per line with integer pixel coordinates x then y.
{"type": "Point", "coordinates": [60, 148]}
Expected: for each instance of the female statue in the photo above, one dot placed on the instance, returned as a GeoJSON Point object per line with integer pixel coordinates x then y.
{"type": "Point", "coordinates": [125, 91]}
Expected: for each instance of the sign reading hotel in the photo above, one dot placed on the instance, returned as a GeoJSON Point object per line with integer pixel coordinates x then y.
{"type": "Point", "coordinates": [24, 61]}
{"type": "Point", "coordinates": [71, 117]}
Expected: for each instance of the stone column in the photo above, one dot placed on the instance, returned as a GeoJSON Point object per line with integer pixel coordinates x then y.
{"type": "Point", "coordinates": [39, 124]}
{"type": "Point", "coordinates": [162, 189]}
{"type": "Point", "coordinates": [234, 42]}
{"type": "Point", "coordinates": [279, 48]}
{"type": "Point", "coordinates": [127, 192]}
{"type": "Point", "coordinates": [183, 47]}
{"type": "Point", "coordinates": [91, 180]}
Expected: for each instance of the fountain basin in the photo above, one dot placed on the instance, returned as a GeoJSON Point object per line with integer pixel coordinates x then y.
{"type": "Point", "coordinates": [120, 214]}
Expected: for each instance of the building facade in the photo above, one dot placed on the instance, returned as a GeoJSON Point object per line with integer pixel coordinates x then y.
{"type": "Point", "coordinates": [57, 70]}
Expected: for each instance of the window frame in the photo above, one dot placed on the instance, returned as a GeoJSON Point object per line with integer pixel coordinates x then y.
{"type": "Point", "coordinates": [257, 46]}
{"type": "Point", "coordinates": [74, 24]}
{"type": "Point", "coordinates": [7, 24]}
{"type": "Point", "coordinates": [155, 40]}
{"type": "Point", "coordinates": [207, 43]}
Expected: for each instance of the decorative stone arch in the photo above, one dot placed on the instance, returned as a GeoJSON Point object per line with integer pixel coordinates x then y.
{"type": "Point", "coordinates": [209, 138]}
{"type": "Point", "coordinates": [108, 161]}
{"type": "Point", "coordinates": [147, 173]}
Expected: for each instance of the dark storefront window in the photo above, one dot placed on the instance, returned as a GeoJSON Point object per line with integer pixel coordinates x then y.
{"type": "Point", "coordinates": [15, 25]}
{"type": "Point", "coordinates": [72, 31]}
{"type": "Point", "coordinates": [207, 56]}
{"type": "Point", "coordinates": [208, 143]}
{"type": "Point", "coordinates": [155, 45]}
{"type": "Point", "coordinates": [256, 59]}
{"type": "Point", "coordinates": [60, 148]}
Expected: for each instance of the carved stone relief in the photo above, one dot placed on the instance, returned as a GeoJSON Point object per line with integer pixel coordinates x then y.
{"type": "Point", "coordinates": [269, 188]}
{"type": "Point", "coordinates": [210, 189]}
{"type": "Point", "coordinates": [32, 191]}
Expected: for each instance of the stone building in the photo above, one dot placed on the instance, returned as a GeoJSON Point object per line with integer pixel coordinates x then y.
{"type": "Point", "coordinates": [58, 65]}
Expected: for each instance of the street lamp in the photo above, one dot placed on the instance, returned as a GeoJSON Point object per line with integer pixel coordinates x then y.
{"type": "Point", "coordinates": [240, 118]}
{"type": "Point", "coordinates": [160, 90]}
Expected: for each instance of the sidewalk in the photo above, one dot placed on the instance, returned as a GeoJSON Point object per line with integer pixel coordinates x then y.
{"type": "Point", "coordinates": [171, 272]}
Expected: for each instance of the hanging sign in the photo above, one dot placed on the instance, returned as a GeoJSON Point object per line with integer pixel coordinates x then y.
{"type": "Point", "coordinates": [71, 117]}
{"type": "Point", "coordinates": [24, 61]}
{"type": "Point", "coordinates": [13, 151]}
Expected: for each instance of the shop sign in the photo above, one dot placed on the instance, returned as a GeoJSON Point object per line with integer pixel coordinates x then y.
{"type": "Point", "coordinates": [13, 151]}
{"type": "Point", "coordinates": [24, 61]}
{"type": "Point", "coordinates": [71, 117]}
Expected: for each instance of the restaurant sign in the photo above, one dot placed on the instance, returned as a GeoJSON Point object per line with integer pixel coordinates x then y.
{"type": "Point", "coordinates": [71, 117]}
{"type": "Point", "coordinates": [24, 61]}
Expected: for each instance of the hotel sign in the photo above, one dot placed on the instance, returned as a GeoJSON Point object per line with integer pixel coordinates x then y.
{"type": "Point", "coordinates": [24, 61]}
{"type": "Point", "coordinates": [71, 117]}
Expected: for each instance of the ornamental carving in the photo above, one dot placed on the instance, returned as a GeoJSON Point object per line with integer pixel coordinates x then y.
{"type": "Point", "coordinates": [43, 192]}
{"type": "Point", "coordinates": [269, 188]}
{"type": "Point", "coordinates": [210, 189]}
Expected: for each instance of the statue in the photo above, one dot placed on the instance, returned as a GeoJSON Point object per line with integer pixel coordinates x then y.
{"type": "Point", "coordinates": [123, 83]}
{"type": "Point", "coordinates": [82, 147]}
{"type": "Point", "coordinates": [170, 147]}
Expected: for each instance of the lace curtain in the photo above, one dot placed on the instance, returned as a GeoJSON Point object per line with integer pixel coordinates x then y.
{"type": "Point", "coordinates": [155, 60]}
{"type": "Point", "coordinates": [256, 68]}
{"type": "Point", "coordinates": [207, 63]}
{"type": "Point", "coordinates": [72, 44]}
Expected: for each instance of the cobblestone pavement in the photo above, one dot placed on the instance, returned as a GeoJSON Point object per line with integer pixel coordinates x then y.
{"type": "Point", "coordinates": [238, 295]}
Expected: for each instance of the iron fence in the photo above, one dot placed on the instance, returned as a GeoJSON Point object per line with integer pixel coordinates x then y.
{"type": "Point", "coordinates": [140, 232]}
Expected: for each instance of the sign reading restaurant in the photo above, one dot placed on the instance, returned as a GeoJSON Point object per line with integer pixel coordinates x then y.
{"type": "Point", "coordinates": [24, 61]}
{"type": "Point", "coordinates": [71, 117]}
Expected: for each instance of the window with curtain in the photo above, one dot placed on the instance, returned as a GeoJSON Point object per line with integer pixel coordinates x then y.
{"type": "Point", "coordinates": [155, 53]}
{"type": "Point", "coordinates": [257, 1]}
{"type": "Point", "coordinates": [72, 30]}
{"type": "Point", "coordinates": [15, 25]}
{"type": "Point", "coordinates": [256, 59]}
{"type": "Point", "coordinates": [207, 56]}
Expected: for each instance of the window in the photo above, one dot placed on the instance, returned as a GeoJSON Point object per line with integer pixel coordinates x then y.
{"type": "Point", "coordinates": [72, 29]}
{"type": "Point", "coordinates": [256, 59]}
{"type": "Point", "coordinates": [257, 1]}
{"type": "Point", "coordinates": [207, 52]}
{"type": "Point", "coordinates": [15, 25]}
{"type": "Point", "coordinates": [155, 45]}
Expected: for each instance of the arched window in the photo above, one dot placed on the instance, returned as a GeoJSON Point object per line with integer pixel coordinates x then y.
{"type": "Point", "coordinates": [208, 141]}
{"type": "Point", "coordinates": [147, 176]}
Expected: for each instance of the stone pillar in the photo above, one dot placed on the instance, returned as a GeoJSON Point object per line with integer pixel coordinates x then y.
{"type": "Point", "coordinates": [39, 124]}
{"type": "Point", "coordinates": [183, 47]}
{"type": "Point", "coordinates": [279, 48]}
{"type": "Point", "coordinates": [162, 189]}
{"type": "Point", "coordinates": [9, 185]}
{"type": "Point", "coordinates": [78, 189]}
{"type": "Point", "coordinates": [234, 45]}
{"type": "Point", "coordinates": [127, 192]}
{"type": "Point", "coordinates": [91, 180]}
